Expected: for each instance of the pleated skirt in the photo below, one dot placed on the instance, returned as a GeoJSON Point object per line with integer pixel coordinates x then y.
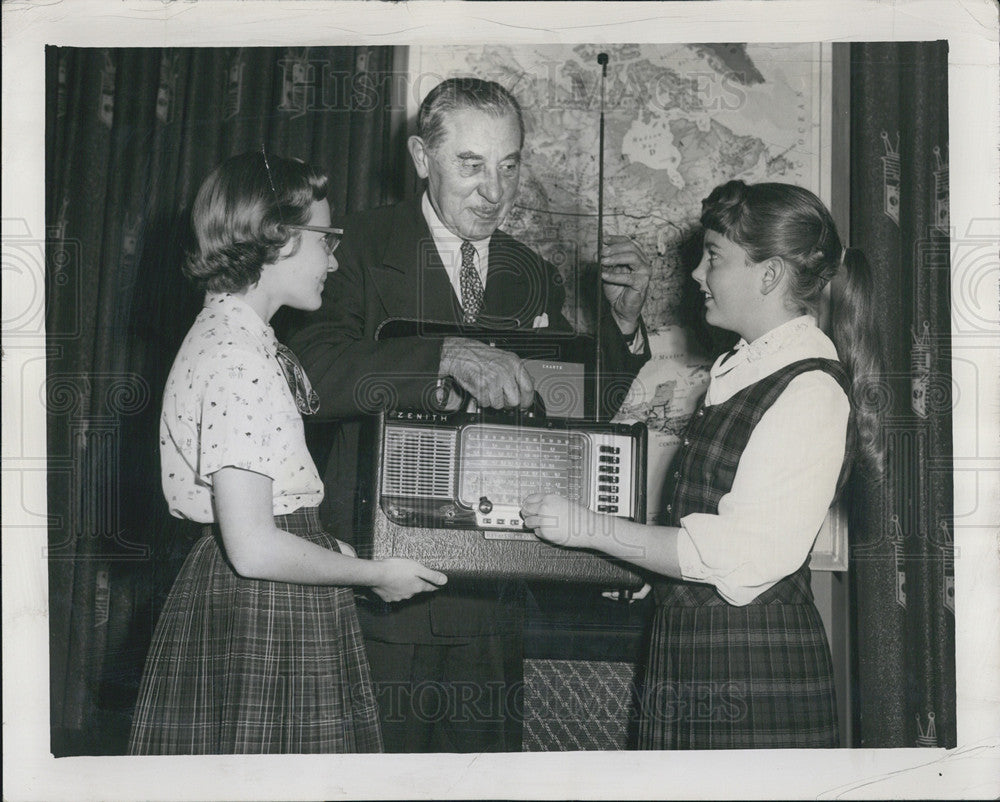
{"type": "Point", "coordinates": [725, 677]}
{"type": "Point", "coordinates": [246, 666]}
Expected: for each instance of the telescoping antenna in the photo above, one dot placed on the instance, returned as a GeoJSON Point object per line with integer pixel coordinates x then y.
{"type": "Point", "coordinates": [602, 59]}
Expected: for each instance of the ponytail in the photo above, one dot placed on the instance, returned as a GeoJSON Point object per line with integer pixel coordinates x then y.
{"type": "Point", "coordinates": [857, 337]}
{"type": "Point", "coordinates": [772, 219]}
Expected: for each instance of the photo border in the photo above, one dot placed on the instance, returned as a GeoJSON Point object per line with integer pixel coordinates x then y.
{"type": "Point", "coordinates": [970, 770]}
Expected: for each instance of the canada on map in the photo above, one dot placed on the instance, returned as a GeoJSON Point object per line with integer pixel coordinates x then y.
{"type": "Point", "coordinates": [678, 120]}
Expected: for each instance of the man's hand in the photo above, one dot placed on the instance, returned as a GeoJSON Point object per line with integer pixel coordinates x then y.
{"type": "Point", "coordinates": [494, 377]}
{"type": "Point", "coordinates": [625, 273]}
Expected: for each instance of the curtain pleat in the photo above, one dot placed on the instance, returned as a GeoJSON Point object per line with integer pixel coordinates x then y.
{"type": "Point", "coordinates": [901, 555]}
{"type": "Point", "coordinates": [130, 135]}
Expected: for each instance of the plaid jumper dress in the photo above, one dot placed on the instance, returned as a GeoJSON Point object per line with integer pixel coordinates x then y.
{"type": "Point", "coordinates": [249, 666]}
{"type": "Point", "coordinates": [721, 676]}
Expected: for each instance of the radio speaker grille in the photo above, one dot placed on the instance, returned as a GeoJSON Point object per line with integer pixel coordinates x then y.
{"type": "Point", "coordinates": [419, 462]}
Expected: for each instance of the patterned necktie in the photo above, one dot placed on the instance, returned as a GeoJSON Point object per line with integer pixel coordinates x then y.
{"type": "Point", "coordinates": [306, 399]}
{"type": "Point", "coordinates": [472, 286]}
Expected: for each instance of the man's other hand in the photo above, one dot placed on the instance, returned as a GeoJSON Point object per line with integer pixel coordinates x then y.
{"type": "Point", "coordinates": [494, 377]}
{"type": "Point", "coordinates": [625, 272]}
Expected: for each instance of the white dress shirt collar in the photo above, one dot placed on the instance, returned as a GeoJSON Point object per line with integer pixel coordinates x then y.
{"type": "Point", "coordinates": [449, 248]}
{"type": "Point", "coordinates": [799, 338]}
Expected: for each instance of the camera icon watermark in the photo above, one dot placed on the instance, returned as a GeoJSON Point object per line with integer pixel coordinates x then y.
{"type": "Point", "coordinates": [974, 263]}
{"type": "Point", "coordinates": [35, 270]}
{"type": "Point", "coordinates": [968, 263]}
{"type": "Point", "coordinates": [85, 474]}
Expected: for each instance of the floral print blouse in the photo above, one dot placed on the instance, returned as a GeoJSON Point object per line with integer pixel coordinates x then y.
{"type": "Point", "coordinates": [227, 403]}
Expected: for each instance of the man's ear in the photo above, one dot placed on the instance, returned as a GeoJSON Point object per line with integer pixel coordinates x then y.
{"type": "Point", "coordinates": [774, 273]}
{"type": "Point", "coordinates": [419, 153]}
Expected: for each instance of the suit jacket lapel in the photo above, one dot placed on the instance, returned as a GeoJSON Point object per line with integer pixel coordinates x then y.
{"type": "Point", "coordinates": [413, 283]}
{"type": "Point", "coordinates": [411, 280]}
{"type": "Point", "coordinates": [510, 299]}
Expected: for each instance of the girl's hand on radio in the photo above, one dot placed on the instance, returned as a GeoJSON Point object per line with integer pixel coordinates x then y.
{"type": "Point", "coordinates": [561, 521]}
{"type": "Point", "coordinates": [401, 578]}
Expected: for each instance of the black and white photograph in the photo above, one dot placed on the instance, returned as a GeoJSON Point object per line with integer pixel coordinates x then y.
{"type": "Point", "coordinates": [501, 400]}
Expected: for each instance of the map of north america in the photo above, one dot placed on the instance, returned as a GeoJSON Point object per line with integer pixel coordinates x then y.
{"type": "Point", "coordinates": [678, 121]}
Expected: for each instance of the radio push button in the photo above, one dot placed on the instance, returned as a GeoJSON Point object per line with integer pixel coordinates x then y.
{"type": "Point", "coordinates": [504, 524]}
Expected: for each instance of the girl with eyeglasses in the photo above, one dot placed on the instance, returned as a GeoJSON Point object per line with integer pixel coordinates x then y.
{"type": "Point", "coordinates": [257, 649]}
{"type": "Point", "coordinates": [738, 657]}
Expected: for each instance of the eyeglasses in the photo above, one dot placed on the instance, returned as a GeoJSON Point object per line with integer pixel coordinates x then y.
{"type": "Point", "coordinates": [331, 239]}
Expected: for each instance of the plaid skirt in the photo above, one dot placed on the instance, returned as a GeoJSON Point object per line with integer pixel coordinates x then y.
{"type": "Point", "coordinates": [246, 666]}
{"type": "Point", "coordinates": [725, 677]}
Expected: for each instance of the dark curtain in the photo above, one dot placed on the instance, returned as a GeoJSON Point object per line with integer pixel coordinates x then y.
{"type": "Point", "coordinates": [901, 555]}
{"type": "Point", "coordinates": [130, 134]}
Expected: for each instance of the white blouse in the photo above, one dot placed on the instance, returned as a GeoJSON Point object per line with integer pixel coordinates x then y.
{"type": "Point", "coordinates": [787, 476]}
{"type": "Point", "coordinates": [227, 403]}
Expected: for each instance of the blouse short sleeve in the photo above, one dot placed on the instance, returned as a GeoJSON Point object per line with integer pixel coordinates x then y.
{"type": "Point", "coordinates": [239, 421]}
{"type": "Point", "coordinates": [227, 404]}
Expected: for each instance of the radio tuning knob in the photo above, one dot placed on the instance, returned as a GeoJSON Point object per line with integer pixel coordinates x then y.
{"type": "Point", "coordinates": [485, 505]}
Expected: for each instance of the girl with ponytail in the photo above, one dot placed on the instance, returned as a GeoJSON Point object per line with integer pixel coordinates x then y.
{"type": "Point", "coordinates": [738, 656]}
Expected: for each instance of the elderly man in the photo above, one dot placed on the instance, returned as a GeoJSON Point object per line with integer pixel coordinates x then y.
{"type": "Point", "coordinates": [448, 670]}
